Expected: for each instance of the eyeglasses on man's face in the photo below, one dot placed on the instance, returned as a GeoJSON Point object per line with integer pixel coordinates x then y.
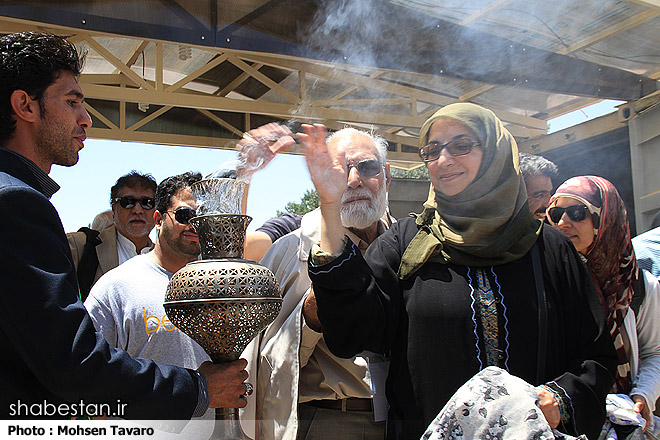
{"type": "Point", "coordinates": [456, 147]}
{"type": "Point", "coordinates": [367, 167]}
{"type": "Point", "coordinates": [183, 214]}
{"type": "Point", "coordinates": [128, 202]}
{"type": "Point", "coordinates": [575, 213]}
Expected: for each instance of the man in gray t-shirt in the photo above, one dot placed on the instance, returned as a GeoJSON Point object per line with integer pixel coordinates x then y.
{"type": "Point", "coordinates": [126, 304]}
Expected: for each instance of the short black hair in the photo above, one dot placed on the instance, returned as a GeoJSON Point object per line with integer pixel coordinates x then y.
{"type": "Point", "coordinates": [170, 186]}
{"type": "Point", "coordinates": [132, 180]}
{"type": "Point", "coordinates": [31, 62]}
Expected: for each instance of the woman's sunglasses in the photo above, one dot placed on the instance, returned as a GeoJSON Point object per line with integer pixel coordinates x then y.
{"type": "Point", "coordinates": [457, 147]}
{"type": "Point", "coordinates": [576, 213]}
{"type": "Point", "coordinates": [367, 168]}
{"type": "Point", "coordinates": [184, 214]}
{"type": "Point", "coordinates": [127, 202]}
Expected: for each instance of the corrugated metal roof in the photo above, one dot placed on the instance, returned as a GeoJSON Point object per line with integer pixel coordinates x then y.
{"type": "Point", "coordinates": [386, 64]}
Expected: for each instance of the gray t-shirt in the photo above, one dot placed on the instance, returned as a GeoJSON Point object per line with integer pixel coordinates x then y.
{"type": "Point", "coordinates": [126, 306]}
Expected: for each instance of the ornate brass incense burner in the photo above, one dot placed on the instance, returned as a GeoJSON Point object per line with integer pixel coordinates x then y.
{"type": "Point", "coordinates": [222, 301]}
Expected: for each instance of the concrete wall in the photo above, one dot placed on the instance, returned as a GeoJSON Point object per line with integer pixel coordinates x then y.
{"type": "Point", "coordinates": [407, 195]}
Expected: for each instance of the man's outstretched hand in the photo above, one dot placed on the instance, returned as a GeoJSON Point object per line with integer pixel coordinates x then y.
{"type": "Point", "coordinates": [259, 146]}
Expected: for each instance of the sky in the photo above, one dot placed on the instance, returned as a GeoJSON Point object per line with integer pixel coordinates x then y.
{"type": "Point", "coordinates": [579, 116]}
{"type": "Point", "coordinates": [85, 187]}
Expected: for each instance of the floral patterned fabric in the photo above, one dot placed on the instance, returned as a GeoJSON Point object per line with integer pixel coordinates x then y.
{"type": "Point", "coordinates": [493, 405]}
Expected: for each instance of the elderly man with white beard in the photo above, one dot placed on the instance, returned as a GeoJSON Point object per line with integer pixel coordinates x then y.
{"type": "Point", "coordinates": [303, 390]}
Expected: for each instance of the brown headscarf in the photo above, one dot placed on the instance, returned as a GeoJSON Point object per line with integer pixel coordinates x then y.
{"type": "Point", "coordinates": [610, 257]}
{"type": "Point", "coordinates": [488, 223]}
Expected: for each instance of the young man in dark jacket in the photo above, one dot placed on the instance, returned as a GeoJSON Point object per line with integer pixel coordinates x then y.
{"type": "Point", "coordinates": [52, 357]}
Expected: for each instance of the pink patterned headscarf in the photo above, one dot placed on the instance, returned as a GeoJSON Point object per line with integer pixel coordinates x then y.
{"type": "Point", "coordinates": [610, 258]}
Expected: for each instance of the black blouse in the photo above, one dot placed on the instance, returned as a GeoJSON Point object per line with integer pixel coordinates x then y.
{"type": "Point", "coordinates": [429, 326]}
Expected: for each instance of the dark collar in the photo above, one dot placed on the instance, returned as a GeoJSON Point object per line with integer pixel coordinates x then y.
{"type": "Point", "coordinates": [24, 169]}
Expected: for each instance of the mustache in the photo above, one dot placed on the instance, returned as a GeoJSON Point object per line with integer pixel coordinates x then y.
{"type": "Point", "coordinates": [357, 192]}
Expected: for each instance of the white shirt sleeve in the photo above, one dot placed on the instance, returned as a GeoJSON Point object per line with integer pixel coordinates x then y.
{"type": "Point", "coordinates": [647, 382]}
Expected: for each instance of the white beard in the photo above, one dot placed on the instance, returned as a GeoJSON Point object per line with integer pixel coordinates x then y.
{"type": "Point", "coordinates": [361, 215]}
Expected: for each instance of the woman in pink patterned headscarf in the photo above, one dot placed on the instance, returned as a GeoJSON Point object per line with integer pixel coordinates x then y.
{"type": "Point", "coordinates": [589, 210]}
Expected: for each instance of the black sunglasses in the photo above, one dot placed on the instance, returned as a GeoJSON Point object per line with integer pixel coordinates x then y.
{"type": "Point", "coordinates": [576, 213]}
{"type": "Point", "coordinates": [366, 168]}
{"type": "Point", "coordinates": [127, 202]}
{"type": "Point", "coordinates": [184, 214]}
{"type": "Point", "coordinates": [457, 147]}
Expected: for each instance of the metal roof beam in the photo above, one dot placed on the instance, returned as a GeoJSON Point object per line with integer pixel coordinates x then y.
{"type": "Point", "coordinates": [284, 111]}
{"type": "Point", "coordinates": [481, 12]}
{"type": "Point", "coordinates": [101, 117]}
{"type": "Point", "coordinates": [221, 122]}
{"type": "Point", "coordinates": [600, 36]}
{"type": "Point", "coordinates": [567, 108]}
{"type": "Point", "coordinates": [159, 66]}
{"type": "Point", "coordinates": [237, 81]}
{"type": "Point", "coordinates": [262, 78]}
{"type": "Point", "coordinates": [648, 3]}
{"type": "Point", "coordinates": [197, 73]}
{"type": "Point", "coordinates": [101, 78]}
{"type": "Point", "coordinates": [611, 31]}
{"type": "Point", "coordinates": [144, 121]}
{"type": "Point", "coordinates": [151, 137]}
{"type": "Point", "coordinates": [572, 134]}
{"type": "Point", "coordinates": [105, 53]}
{"type": "Point", "coordinates": [402, 140]}
{"type": "Point", "coordinates": [335, 74]}
{"type": "Point", "coordinates": [354, 102]}
{"type": "Point", "coordinates": [141, 46]}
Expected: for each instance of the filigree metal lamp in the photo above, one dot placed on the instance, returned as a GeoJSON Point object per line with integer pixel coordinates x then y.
{"type": "Point", "coordinates": [222, 301]}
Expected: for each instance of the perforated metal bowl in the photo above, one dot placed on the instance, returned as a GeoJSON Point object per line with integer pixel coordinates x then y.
{"type": "Point", "coordinates": [223, 304]}
{"type": "Point", "coordinates": [221, 235]}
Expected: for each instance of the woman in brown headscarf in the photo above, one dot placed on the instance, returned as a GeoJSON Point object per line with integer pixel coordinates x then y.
{"type": "Point", "coordinates": [453, 291]}
{"type": "Point", "coordinates": [590, 211]}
